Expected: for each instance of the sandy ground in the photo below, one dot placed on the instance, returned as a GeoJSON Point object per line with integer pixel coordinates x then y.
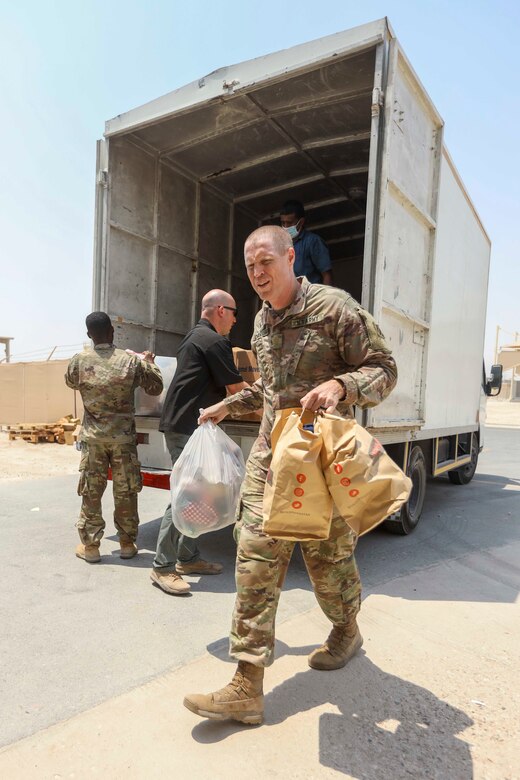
{"type": "Point", "coordinates": [21, 460]}
{"type": "Point", "coordinates": [502, 414]}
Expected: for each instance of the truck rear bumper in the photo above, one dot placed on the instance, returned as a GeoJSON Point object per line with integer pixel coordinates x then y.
{"type": "Point", "coordinates": [156, 478]}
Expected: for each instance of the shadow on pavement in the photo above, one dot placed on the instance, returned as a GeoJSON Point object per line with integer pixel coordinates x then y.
{"type": "Point", "coordinates": [383, 727]}
{"type": "Point", "coordinates": [495, 479]}
{"type": "Point", "coordinates": [470, 532]}
{"type": "Point", "coordinates": [143, 560]}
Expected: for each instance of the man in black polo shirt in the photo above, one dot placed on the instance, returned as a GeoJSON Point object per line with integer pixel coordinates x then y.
{"type": "Point", "coordinates": [205, 369]}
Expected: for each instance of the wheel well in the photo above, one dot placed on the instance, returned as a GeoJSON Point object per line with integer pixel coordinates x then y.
{"type": "Point", "coordinates": [427, 449]}
{"type": "Point", "coordinates": [406, 519]}
{"type": "Point", "coordinates": [398, 453]}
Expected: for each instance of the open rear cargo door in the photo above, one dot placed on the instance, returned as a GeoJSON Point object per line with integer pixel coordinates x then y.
{"type": "Point", "coordinates": [399, 259]}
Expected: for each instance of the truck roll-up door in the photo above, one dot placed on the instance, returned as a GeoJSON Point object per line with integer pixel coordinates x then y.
{"type": "Point", "coordinates": [398, 270]}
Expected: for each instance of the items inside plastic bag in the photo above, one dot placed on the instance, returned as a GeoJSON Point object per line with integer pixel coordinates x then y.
{"type": "Point", "coordinates": [205, 482]}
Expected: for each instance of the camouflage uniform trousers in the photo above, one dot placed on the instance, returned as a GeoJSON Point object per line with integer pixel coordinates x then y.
{"type": "Point", "coordinates": [261, 567]}
{"type": "Point", "coordinates": [127, 482]}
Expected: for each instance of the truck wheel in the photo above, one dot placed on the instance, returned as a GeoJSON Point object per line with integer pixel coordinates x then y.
{"type": "Point", "coordinates": [466, 473]}
{"type": "Point", "coordinates": [406, 520]}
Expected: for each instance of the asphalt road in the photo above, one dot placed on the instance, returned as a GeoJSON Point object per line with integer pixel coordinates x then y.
{"type": "Point", "coordinates": [75, 635]}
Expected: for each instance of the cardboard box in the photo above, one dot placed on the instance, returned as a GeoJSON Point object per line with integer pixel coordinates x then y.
{"type": "Point", "coordinates": [246, 364]}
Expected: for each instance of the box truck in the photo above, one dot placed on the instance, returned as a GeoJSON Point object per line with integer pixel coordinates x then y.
{"type": "Point", "coordinates": [344, 125]}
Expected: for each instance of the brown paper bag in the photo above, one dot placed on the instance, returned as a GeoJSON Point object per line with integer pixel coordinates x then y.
{"type": "Point", "coordinates": [281, 417]}
{"type": "Point", "coordinates": [364, 482]}
{"type": "Point", "coordinates": [297, 505]}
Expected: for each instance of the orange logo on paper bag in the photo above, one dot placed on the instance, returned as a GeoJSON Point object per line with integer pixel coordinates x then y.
{"type": "Point", "coordinates": [354, 493]}
{"type": "Point", "coordinates": [338, 468]}
{"type": "Point", "coordinates": [301, 478]}
{"type": "Point", "coordinates": [345, 481]}
{"type": "Point", "coordinates": [299, 491]}
{"type": "Point", "coordinates": [296, 504]}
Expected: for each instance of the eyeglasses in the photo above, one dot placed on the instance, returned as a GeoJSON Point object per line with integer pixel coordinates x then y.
{"type": "Point", "coordinates": [230, 308]}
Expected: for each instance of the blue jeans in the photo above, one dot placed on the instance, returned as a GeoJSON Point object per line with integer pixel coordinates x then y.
{"type": "Point", "coordinates": [173, 546]}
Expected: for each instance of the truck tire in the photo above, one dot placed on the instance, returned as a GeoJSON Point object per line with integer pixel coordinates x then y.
{"type": "Point", "coordinates": [406, 520]}
{"type": "Point", "coordinates": [465, 474]}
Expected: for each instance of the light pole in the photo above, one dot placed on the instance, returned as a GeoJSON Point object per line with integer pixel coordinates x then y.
{"type": "Point", "coordinates": [6, 341]}
{"type": "Point", "coordinates": [496, 345]}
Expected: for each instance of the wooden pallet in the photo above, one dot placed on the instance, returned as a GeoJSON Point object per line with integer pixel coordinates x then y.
{"type": "Point", "coordinates": [61, 432]}
{"type": "Point", "coordinates": [35, 437]}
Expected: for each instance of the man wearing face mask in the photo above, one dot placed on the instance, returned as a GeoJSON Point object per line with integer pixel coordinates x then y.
{"type": "Point", "coordinates": [312, 256]}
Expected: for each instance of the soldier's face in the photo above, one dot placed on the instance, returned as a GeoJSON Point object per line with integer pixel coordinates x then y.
{"type": "Point", "coordinates": [271, 273]}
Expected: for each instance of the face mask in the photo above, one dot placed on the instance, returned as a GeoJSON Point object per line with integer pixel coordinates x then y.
{"type": "Point", "coordinates": [293, 230]}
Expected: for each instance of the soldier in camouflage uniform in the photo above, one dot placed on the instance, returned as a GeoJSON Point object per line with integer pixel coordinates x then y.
{"type": "Point", "coordinates": [106, 378]}
{"type": "Point", "coordinates": [316, 347]}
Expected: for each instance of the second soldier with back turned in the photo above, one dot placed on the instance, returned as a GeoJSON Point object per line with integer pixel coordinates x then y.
{"type": "Point", "coordinates": [106, 378]}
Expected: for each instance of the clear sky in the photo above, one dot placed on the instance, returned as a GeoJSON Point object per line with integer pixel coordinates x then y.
{"type": "Point", "coordinates": [68, 65]}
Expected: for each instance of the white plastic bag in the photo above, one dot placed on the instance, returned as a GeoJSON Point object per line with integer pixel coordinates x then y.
{"type": "Point", "coordinates": [205, 482]}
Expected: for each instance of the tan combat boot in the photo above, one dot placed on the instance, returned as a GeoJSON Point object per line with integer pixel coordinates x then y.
{"type": "Point", "coordinates": [241, 700]}
{"type": "Point", "coordinates": [128, 549]}
{"type": "Point", "coordinates": [169, 582]}
{"type": "Point", "coordinates": [88, 552]}
{"type": "Point", "coordinates": [342, 643]}
{"type": "Point", "coordinates": [199, 567]}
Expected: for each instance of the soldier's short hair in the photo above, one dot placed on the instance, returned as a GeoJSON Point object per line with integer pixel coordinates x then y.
{"type": "Point", "coordinates": [279, 237]}
{"type": "Point", "coordinates": [98, 324]}
{"type": "Point", "coordinates": [293, 207]}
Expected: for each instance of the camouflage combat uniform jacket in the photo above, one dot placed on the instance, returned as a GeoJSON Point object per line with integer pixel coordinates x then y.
{"type": "Point", "coordinates": [106, 378]}
{"type": "Point", "coordinates": [323, 334]}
